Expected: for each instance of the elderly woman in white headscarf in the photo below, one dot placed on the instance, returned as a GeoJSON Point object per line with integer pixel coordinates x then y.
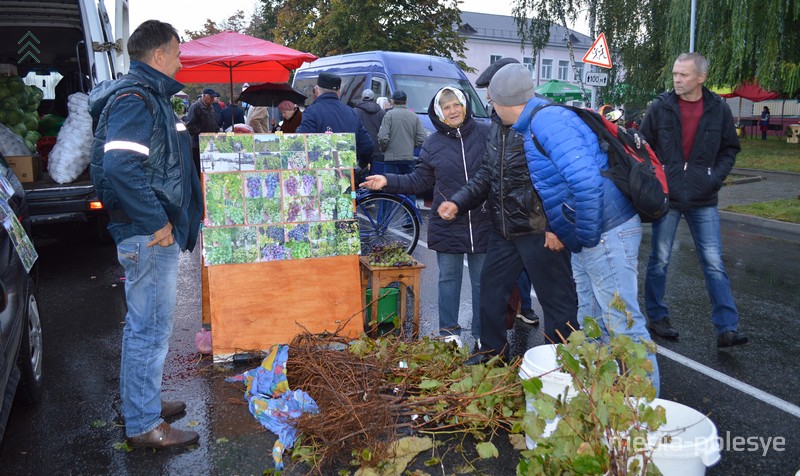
{"type": "Point", "coordinates": [449, 158]}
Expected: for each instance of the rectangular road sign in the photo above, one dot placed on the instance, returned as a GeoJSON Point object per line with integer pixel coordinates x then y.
{"type": "Point", "coordinates": [593, 78]}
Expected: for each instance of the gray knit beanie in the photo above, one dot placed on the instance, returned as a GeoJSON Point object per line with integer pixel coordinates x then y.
{"type": "Point", "coordinates": [512, 85]}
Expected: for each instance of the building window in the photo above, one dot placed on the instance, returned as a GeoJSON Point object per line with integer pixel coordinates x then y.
{"type": "Point", "coordinates": [547, 69]}
{"type": "Point", "coordinates": [493, 58]}
{"type": "Point", "coordinates": [563, 69]}
{"type": "Point", "coordinates": [528, 62]}
{"type": "Point", "coordinates": [578, 73]}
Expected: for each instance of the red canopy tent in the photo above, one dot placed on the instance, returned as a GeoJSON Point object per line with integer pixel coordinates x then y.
{"type": "Point", "coordinates": [230, 57]}
{"type": "Point", "coordinates": [752, 92]}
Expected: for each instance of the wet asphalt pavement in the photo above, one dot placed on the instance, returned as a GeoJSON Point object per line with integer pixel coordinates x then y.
{"type": "Point", "coordinates": [748, 392]}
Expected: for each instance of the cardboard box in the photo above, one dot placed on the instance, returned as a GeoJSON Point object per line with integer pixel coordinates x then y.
{"type": "Point", "coordinates": [27, 167]}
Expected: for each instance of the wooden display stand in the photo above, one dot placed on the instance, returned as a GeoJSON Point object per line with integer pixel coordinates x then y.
{"type": "Point", "coordinates": [381, 276]}
{"type": "Point", "coordinates": [255, 305]}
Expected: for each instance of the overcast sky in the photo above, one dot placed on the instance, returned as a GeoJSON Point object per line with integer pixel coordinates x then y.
{"type": "Point", "coordinates": [191, 15]}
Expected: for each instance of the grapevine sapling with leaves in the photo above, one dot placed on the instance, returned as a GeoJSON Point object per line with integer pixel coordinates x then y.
{"type": "Point", "coordinates": [387, 255]}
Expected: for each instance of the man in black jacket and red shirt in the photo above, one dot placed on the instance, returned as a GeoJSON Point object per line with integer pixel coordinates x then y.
{"type": "Point", "coordinates": [519, 240]}
{"type": "Point", "coordinates": [691, 130]}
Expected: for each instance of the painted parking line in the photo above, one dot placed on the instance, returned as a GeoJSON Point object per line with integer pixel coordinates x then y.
{"type": "Point", "coordinates": [745, 388]}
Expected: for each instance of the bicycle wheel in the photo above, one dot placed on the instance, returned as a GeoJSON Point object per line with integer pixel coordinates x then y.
{"type": "Point", "coordinates": [384, 218]}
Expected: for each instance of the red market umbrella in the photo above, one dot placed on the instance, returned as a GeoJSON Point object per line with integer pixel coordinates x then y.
{"type": "Point", "coordinates": [230, 57]}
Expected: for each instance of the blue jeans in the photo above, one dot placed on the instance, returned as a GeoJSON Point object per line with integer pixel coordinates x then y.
{"type": "Point", "coordinates": [607, 269]}
{"type": "Point", "coordinates": [704, 225]}
{"type": "Point", "coordinates": [151, 278]}
{"type": "Point", "coordinates": [524, 285]}
{"type": "Point", "coordinates": [451, 269]}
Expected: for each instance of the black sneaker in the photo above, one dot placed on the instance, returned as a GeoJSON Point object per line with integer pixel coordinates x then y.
{"type": "Point", "coordinates": [663, 328]}
{"type": "Point", "coordinates": [731, 338]}
{"type": "Point", "coordinates": [528, 317]}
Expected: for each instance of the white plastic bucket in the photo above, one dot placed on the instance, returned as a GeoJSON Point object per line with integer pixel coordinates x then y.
{"type": "Point", "coordinates": [693, 445]}
{"type": "Point", "coordinates": [539, 362]}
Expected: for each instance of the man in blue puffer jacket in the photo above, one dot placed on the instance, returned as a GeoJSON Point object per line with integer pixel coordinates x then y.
{"type": "Point", "coordinates": [587, 212]}
{"type": "Point", "coordinates": [143, 171]}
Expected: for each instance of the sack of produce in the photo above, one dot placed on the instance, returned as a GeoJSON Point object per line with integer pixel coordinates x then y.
{"type": "Point", "coordinates": [11, 144]}
{"type": "Point", "coordinates": [18, 109]}
{"type": "Point", "coordinates": [73, 150]}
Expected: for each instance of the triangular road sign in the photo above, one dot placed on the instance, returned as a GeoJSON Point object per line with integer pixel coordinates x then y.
{"type": "Point", "coordinates": [598, 54]}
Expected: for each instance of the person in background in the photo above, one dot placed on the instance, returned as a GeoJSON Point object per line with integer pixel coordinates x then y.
{"type": "Point", "coordinates": [384, 103]}
{"type": "Point", "coordinates": [218, 106]}
{"type": "Point", "coordinates": [201, 118]}
{"type": "Point", "coordinates": [526, 313]}
{"type": "Point", "coordinates": [233, 114]}
{"type": "Point", "coordinates": [292, 117]}
{"type": "Point", "coordinates": [691, 130]}
{"type": "Point", "coordinates": [329, 114]}
{"type": "Point", "coordinates": [763, 122]}
{"type": "Point", "coordinates": [449, 158]}
{"type": "Point", "coordinates": [519, 240]}
{"type": "Point", "coordinates": [400, 133]}
{"type": "Point", "coordinates": [371, 115]}
{"type": "Point", "coordinates": [155, 204]}
{"type": "Point", "coordinates": [258, 119]}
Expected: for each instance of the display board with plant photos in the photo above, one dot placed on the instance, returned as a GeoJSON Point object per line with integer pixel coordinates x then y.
{"type": "Point", "coordinates": [275, 197]}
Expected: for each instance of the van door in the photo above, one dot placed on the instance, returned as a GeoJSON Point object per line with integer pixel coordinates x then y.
{"type": "Point", "coordinates": [123, 29]}
{"type": "Point", "coordinates": [379, 86]}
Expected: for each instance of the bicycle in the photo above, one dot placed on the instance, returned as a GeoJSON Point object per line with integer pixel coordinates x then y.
{"type": "Point", "coordinates": [384, 218]}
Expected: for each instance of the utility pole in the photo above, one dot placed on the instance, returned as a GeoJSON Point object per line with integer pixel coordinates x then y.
{"type": "Point", "coordinates": [692, 25]}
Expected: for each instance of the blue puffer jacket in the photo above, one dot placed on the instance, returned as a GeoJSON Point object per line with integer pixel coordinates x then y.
{"type": "Point", "coordinates": [449, 158]}
{"type": "Point", "coordinates": [329, 114]}
{"type": "Point", "coordinates": [146, 177]}
{"type": "Point", "coordinates": [579, 202]}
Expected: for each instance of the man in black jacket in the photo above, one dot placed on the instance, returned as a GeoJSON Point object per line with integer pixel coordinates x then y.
{"type": "Point", "coordinates": [691, 130]}
{"type": "Point", "coordinates": [371, 116]}
{"type": "Point", "coordinates": [519, 240]}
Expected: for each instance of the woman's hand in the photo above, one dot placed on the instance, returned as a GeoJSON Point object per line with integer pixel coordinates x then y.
{"type": "Point", "coordinates": [447, 210]}
{"type": "Point", "coordinates": [374, 182]}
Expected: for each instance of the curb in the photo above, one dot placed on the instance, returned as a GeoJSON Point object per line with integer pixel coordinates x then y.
{"type": "Point", "coordinates": [764, 226]}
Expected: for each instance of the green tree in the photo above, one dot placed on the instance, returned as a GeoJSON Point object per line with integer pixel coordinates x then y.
{"type": "Point", "coordinates": [235, 22]}
{"type": "Point", "coordinates": [743, 41]}
{"type": "Point", "coordinates": [330, 27]}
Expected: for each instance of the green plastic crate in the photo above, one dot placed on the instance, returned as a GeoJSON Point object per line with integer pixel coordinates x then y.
{"type": "Point", "coordinates": [387, 305]}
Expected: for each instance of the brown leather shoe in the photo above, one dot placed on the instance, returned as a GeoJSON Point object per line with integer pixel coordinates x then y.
{"type": "Point", "coordinates": [171, 408]}
{"type": "Point", "coordinates": [164, 436]}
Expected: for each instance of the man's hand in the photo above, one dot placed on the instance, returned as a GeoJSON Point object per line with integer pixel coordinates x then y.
{"type": "Point", "coordinates": [374, 182]}
{"type": "Point", "coordinates": [551, 242]}
{"type": "Point", "coordinates": [447, 210]}
{"type": "Point", "coordinates": [163, 237]}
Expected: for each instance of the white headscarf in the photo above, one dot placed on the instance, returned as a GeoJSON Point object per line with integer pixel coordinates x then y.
{"type": "Point", "coordinates": [437, 108]}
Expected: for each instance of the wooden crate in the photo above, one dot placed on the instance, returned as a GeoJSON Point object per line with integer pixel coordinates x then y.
{"type": "Point", "coordinates": [256, 305]}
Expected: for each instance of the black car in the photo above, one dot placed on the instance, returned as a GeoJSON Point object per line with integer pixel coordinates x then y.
{"type": "Point", "coordinates": [20, 326]}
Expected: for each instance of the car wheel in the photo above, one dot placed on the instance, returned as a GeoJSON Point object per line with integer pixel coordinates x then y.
{"type": "Point", "coordinates": [30, 353]}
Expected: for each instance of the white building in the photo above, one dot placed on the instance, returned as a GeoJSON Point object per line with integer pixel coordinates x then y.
{"type": "Point", "coordinates": [491, 37]}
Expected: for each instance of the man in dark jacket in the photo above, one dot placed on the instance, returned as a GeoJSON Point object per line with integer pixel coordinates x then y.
{"type": "Point", "coordinates": [371, 116]}
{"type": "Point", "coordinates": [143, 174]}
{"type": "Point", "coordinates": [201, 118]}
{"type": "Point", "coordinates": [518, 240]}
{"type": "Point", "coordinates": [691, 130]}
{"type": "Point", "coordinates": [233, 114]}
{"type": "Point", "coordinates": [449, 158]}
{"type": "Point", "coordinates": [328, 114]}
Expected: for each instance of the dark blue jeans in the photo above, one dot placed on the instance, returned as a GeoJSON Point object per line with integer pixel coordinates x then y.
{"type": "Point", "coordinates": [704, 225]}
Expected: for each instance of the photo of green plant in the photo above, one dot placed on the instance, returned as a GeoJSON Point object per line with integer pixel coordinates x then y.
{"type": "Point", "coordinates": [298, 245]}
{"type": "Point", "coordinates": [293, 143]}
{"type": "Point", "coordinates": [262, 198]}
{"type": "Point", "coordinates": [271, 241]}
{"type": "Point", "coordinates": [319, 151]}
{"type": "Point", "coordinates": [224, 199]}
{"type": "Point", "coordinates": [267, 149]}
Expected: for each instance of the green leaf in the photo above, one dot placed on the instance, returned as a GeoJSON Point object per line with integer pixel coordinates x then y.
{"type": "Point", "coordinates": [222, 440]}
{"type": "Point", "coordinates": [545, 409]}
{"type": "Point", "coordinates": [429, 384]}
{"type": "Point", "coordinates": [591, 329]}
{"type": "Point", "coordinates": [487, 450]}
{"type": "Point", "coordinates": [99, 423]}
{"type": "Point", "coordinates": [570, 362]}
{"type": "Point", "coordinates": [432, 462]}
{"type": "Point", "coordinates": [532, 386]}
{"type": "Point", "coordinates": [462, 385]}
{"type": "Point", "coordinates": [123, 446]}
{"type": "Point", "coordinates": [587, 464]}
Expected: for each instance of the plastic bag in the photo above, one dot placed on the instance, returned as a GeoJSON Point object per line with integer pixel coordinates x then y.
{"type": "Point", "coordinates": [202, 340]}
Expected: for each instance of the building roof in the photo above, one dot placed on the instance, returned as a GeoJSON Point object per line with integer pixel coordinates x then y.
{"type": "Point", "coordinates": [504, 28]}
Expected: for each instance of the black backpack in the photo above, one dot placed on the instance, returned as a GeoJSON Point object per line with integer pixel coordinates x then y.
{"type": "Point", "coordinates": [633, 166]}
